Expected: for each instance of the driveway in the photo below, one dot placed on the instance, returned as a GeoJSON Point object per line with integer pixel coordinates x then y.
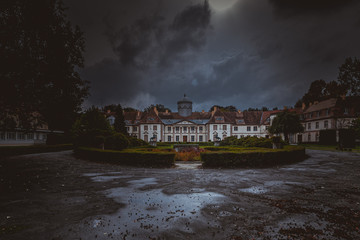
{"type": "Point", "coordinates": [56, 196]}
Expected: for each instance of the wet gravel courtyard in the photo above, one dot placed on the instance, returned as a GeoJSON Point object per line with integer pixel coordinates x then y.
{"type": "Point", "coordinates": [56, 196]}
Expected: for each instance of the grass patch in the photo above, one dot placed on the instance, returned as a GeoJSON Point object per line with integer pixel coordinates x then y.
{"type": "Point", "coordinates": [139, 157]}
{"type": "Point", "coordinates": [6, 151]}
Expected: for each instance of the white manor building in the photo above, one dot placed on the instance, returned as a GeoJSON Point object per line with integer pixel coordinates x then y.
{"type": "Point", "coordinates": [188, 126]}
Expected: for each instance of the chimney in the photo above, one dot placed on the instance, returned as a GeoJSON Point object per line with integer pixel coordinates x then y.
{"type": "Point", "coordinates": [316, 102]}
{"type": "Point", "coordinates": [285, 107]}
{"type": "Point", "coordinates": [343, 97]}
{"type": "Point", "coordinates": [156, 111]}
{"type": "Point", "coordinates": [138, 114]}
{"type": "Point", "coordinates": [303, 106]}
{"type": "Point", "coordinates": [203, 111]}
{"type": "Point", "coordinates": [215, 108]}
{"type": "Point", "coordinates": [310, 104]}
{"type": "Point", "coordinates": [166, 111]}
{"type": "Point", "coordinates": [108, 111]}
{"type": "Point", "coordinates": [239, 111]}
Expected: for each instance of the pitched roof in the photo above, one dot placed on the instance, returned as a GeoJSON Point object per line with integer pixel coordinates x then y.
{"type": "Point", "coordinates": [329, 103]}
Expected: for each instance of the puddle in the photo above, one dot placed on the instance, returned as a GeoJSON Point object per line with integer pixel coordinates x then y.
{"type": "Point", "coordinates": [254, 190]}
{"type": "Point", "coordinates": [151, 211]}
{"type": "Point", "coordinates": [185, 165]}
{"type": "Point", "coordinates": [107, 178]}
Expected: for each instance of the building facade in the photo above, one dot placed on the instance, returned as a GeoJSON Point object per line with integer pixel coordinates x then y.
{"type": "Point", "coordinates": [188, 126]}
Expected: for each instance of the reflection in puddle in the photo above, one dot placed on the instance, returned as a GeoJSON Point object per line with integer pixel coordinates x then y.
{"type": "Point", "coordinates": [152, 211]}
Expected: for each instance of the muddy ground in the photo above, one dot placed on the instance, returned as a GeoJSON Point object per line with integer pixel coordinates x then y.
{"type": "Point", "coordinates": [56, 196]}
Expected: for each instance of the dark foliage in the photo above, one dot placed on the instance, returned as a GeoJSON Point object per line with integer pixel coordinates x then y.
{"type": "Point", "coordinates": [143, 158]}
{"type": "Point", "coordinates": [327, 137]}
{"type": "Point", "coordinates": [117, 141]}
{"type": "Point", "coordinates": [119, 124]}
{"type": "Point", "coordinates": [247, 142]}
{"type": "Point", "coordinates": [349, 76]}
{"type": "Point", "coordinates": [6, 151]}
{"type": "Point", "coordinates": [286, 122]}
{"type": "Point", "coordinates": [40, 54]}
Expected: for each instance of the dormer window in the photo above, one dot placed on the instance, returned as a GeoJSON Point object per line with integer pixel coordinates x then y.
{"type": "Point", "coordinates": [219, 118]}
{"type": "Point", "coordinates": [240, 121]}
{"type": "Point", "coordinates": [268, 120]}
{"type": "Point", "coordinates": [151, 119]}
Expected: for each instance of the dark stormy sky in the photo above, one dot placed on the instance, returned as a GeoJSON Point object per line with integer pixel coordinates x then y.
{"type": "Point", "coordinates": [246, 53]}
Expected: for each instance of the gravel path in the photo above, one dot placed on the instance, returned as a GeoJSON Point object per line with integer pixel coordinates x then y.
{"type": "Point", "coordinates": [56, 196]}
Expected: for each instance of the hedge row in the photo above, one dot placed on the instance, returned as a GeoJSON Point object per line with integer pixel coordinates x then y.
{"type": "Point", "coordinates": [128, 157]}
{"type": "Point", "coordinates": [6, 151]}
{"type": "Point", "coordinates": [259, 158]}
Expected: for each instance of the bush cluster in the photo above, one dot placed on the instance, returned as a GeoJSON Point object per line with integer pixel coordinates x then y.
{"type": "Point", "coordinates": [247, 142]}
{"type": "Point", "coordinates": [131, 157]}
{"type": "Point", "coordinates": [6, 151]}
{"type": "Point", "coordinates": [259, 158]}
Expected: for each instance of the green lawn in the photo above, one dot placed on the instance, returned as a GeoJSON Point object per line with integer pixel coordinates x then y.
{"type": "Point", "coordinates": [327, 147]}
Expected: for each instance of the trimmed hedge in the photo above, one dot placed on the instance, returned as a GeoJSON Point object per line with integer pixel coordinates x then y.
{"type": "Point", "coordinates": [233, 158]}
{"type": "Point", "coordinates": [129, 157]}
{"type": "Point", "coordinates": [6, 151]}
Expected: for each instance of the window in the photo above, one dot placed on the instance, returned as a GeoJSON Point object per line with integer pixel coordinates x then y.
{"type": "Point", "coordinates": [145, 128]}
{"type": "Point", "coordinates": [200, 129]}
{"type": "Point", "coordinates": [155, 128]}
{"type": "Point", "coordinates": [318, 113]}
{"type": "Point", "coordinates": [224, 127]}
{"type": "Point", "coordinates": [2, 136]}
{"type": "Point", "coordinates": [127, 129]}
{"type": "Point", "coordinates": [185, 129]}
{"type": "Point", "coordinates": [177, 138]}
{"type": "Point", "coordinates": [134, 128]}
{"type": "Point", "coordinates": [326, 124]}
{"type": "Point", "coordinates": [192, 129]}
{"type": "Point", "coordinates": [310, 115]}
{"type": "Point", "coordinates": [346, 111]}
{"type": "Point", "coordinates": [201, 138]}
{"type": "Point", "coordinates": [30, 136]}
{"type": "Point", "coordinates": [146, 138]}
{"type": "Point", "coordinates": [169, 129]}
{"type": "Point", "coordinates": [327, 112]}
{"type": "Point", "coordinates": [151, 119]}
{"type": "Point", "coordinates": [240, 121]}
{"type": "Point", "coordinates": [309, 137]}
{"type": "Point", "coordinates": [21, 136]}
{"type": "Point", "coordinates": [317, 125]}
{"type": "Point", "coordinates": [241, 136]}
{"type": "Point", "coordinates": [255, 128]}
{"type": "Point", "coordinates": [169, 138]}
{"type": "Point", "coordinates": [177, 129]}
{"type": "Point", "coordinates": [219, 118]}
{"type": "Point", "coordinates": [268, 120]}
{"type": "Point", "coordinates": [248, 129]}
{"type": "Point", "coordinates": [235, 128]}
{"type": "Point", "coordinates": [215, 127]}
{"type": "Point", "coordinates": [267, 127]}
{"type": "Point", "coordinates": [309, 126]}
{"type": "Point", "coordinates": [192, 138]}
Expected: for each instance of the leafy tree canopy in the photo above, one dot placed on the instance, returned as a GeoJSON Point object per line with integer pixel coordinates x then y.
{"type": "Point", "coordinates": [40, 53]}
{"type": "Point", "coordinates": [224, 109]}
{"type": "Point", "coordinates": [286, 122]}
{"type": "Point", "coordinates": [349, 76]}
{"type": "Point", "coordinates": [159, 107]}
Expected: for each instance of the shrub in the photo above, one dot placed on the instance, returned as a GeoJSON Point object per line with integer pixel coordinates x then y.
{"type": "Point", "coordinates": [131, 157]}
{"type": "Point", "coordinates": [57, 138]}
{"type": "Point", "coordinates": [251, 158]}
{"type": "Point", "coordinates": [247, 142]}
{"type": "Point", "coordinates": [327, 137]}
{"type": "Point", "coordinates": [6, 151]}
{"type": "Point", "coordinates": [117, 141]}
{"type": "Point", "coordinates": [136, 142]}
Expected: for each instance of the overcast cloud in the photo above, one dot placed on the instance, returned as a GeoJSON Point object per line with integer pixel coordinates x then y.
{"type": "Point", "coordinates": [246, 53]}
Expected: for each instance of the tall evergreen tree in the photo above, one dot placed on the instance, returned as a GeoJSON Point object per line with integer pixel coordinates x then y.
{"type": "Point", "coordinates": [119, 124]}
{"type": "Point", "coordinates": [349, 76]}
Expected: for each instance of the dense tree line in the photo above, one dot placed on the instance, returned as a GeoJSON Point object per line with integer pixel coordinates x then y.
{"type": "Point", "coordinates": [347, 83]}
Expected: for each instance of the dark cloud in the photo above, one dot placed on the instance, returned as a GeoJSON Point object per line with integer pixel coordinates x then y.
{"type": "Point", "coordinates": [288, 8]}
{"type": "Point", "coordinates": [252, 53]}
{"type": "Point", "coordinates": [151, 40]}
